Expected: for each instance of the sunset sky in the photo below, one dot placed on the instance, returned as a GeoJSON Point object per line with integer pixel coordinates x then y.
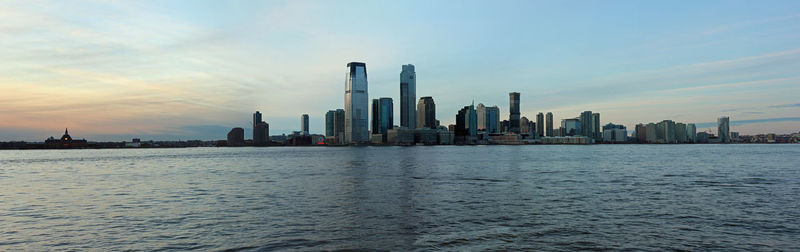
{"type": "Point", "coordinates": [169, 70]}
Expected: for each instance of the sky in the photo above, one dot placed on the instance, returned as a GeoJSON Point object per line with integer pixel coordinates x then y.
{"type": "Point", "coordinates": [178, 70]}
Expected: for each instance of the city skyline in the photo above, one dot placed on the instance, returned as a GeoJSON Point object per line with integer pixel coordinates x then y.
{"type": "Point", "coordinates": [163, 71]}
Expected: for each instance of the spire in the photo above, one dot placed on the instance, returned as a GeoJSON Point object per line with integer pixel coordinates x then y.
{"type": "Point", "coordinates": [66, 131]}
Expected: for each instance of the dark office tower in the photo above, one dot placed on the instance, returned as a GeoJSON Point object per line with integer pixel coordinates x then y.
{"type": "Point", "coordinates": [549, 123]}
{"type": "Point", "coordinates": [408, 97]}
{"type": "Point", "coordinates": [330, 120]}
{"type": "Point", "coordinates": [338, 125]}
{"type": "Point", "coordinates": [426, 113]}
{"type": "Point", "coordinates": [304, 124]}
{"type": "Point", "coordinates": [513, 118]}
{"type": "Point", "coordinates": [356, 105]}
{"type": "Point", "coordinates": [540, 124]}
{"type": "Point", "coordinates": [467, 122]}
{"type": "Point", "coordinates": [382, 114]}
{"type": "Point", "coordinates": [724, 129]}
{"type": "Point", "coordinates": [261, 134]}
{"type": "Point", "coordinates": [598, 132]}
{"type": "Point", "coordinates": [236, 137]}
{"type": "Point", "coordinates": [641, 133]}
{"type": "Point", "coordinates": [492, 120]}
{"type": "Point", "coordinates": [256, 120]}
{"type": "Point", "coordinates": [586, 124]}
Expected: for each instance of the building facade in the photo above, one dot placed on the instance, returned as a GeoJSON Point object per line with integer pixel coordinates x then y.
{"type": "Point", "coordinates": [549, 124]}
{"type": "Point", "coordinates": [724, 129]}
{"type": "Point", "coordinates": [513, 112]}
{"type": "Point", "coordinates": [426, 113]}
{"type": "Point", "coordinates": [382, 114]}
{"type": "Point", "coordinates": [304, 124]}
{"type": "Point", "coordinates": [408, 97]}
{"type": "Point", "coordinates": [356, 104]}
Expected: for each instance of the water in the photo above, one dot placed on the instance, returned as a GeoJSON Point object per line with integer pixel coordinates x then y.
{"type": "Point", "coordinates": [650, 197]}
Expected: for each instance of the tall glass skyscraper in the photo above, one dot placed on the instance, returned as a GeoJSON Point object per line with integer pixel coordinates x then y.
{"type": "Point", "coordinates": [549, 123]}
{"type": "Point", "coordinates": [408, 97]}
{"type": "Point", "coordinates": [586, 124]}
{"type": "Point", "coordinates": [724, 129]}
{"type": "Point", "coordinates": [513, 118]}
{"type": "Point", "coordinates": [382, 115]}
{"type": "Point", "coordinates": [540, 124]}
{"type": "Point", "coordinates": [493, 119]}
{"type": "Point", "coordinates": [356, 104]}
{"type": "Point", "coordinates": [426, 113]}
{"type": "Point", "coordinates": [304, 124]}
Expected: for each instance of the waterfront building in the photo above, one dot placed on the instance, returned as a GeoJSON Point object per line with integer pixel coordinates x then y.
{"type": "Point", "coordinates": [492, 119]}
{"type": "Point", "coordinates": [408, 97]}
{"type": "Point", "coordinates": [598, 132]}
{"type": "Point", "coordinates": [466, 129]}
{"type": "Point", "coordinates": [260, 130]}
{"type": "Point", "coordinates": [304, 124]}
{"type": "Point", "coordinates": [513, 111]}
{"type": "Point", "coordinates": [691, 132]}
{"type": "Point", "coordinates": [65, 141]}
{"type": "Point", "coordinates": [382, 114]}
{"type": "Point", "coordinates": [724, 129]}
{"type": "Point", "coordinates": [356, 104]}
{"type": "Point", "coordinates": [426, 136]}
{"type": "Point", "coordinates": [641, 133]}
{"type": "Point", "coordinates": [549, 124]}
{"type": "Point", "coordinates": [235, 137]}
{"type": "Point", "coordinates": [614, 133]}
{"type": "Point", "coordinates": [680, 133]}
{"type": "Point", "coordinates": [426, 113]}
{"type": "Point", "coordinates": [651, 130]}
{"type": "Point", "coordinates": [586, 124]}
{"type": "Point", "coordinates": [334, 126]}
{"type": "Point", "coordinates": [571, 127]}
{"type": "Point", "coordinates": [482, 117]}
{"type": "Point", "coordinates": [540, 125]}
{"type": "Point", "coordinates": [524, 125]}
{"type": "Point", "coordinates": [261, 134]}
{"type": "Point", "coordinates": [400, 136]}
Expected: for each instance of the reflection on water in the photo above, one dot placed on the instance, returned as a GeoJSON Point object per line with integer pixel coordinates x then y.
{"type": "Point", "coordinates": [655, 197]}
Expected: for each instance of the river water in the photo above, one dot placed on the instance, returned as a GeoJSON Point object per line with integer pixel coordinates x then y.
{"type": "Point", "coordinates": [599, 197]}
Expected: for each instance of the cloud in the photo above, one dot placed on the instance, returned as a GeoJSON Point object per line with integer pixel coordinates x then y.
{"type": "Point", "coordinates": [793, 105]}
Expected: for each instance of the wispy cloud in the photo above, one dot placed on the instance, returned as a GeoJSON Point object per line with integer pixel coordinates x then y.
{"type": "Point", "coordinates": [793, 105]}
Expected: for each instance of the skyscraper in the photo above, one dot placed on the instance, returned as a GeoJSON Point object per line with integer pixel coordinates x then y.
{"type": "Point", "coordinates": [260, 130]}
{"type": "Point", "coordinates": [493, 119]}
{"type": "Point", "coordinates": [691, 132]}
{"type": "Point", "coordinates": [466, 123]}
{"type": "Point", "coordinates": [304, 124]}
{"type": "Point", "coordinates": [334, 124]}
{"type": "Point", "coordinates": [587, 124]}
{"type": "Point", "coordinates": [513, 118]}
{"type": "Point", "coordinates": [356, 105]}
{"type": "Point", "coordinates": [256, 118]}
{"type": "Point", "coordinates": [330, 120]}
{"type": "Point", "coordinates": [426, 113]}
{"type": "Point", "coordinates": [549, 123]}
{"type": "Point", "coordinates": [408, 95]}
{"type": "Point", "coordinates": [598, 132]}
{"type": "Point", "coordinates": [382, 116]}
{"type": "Point", "coordinates": [481, 111]}
{"type": "Point", "coordinates": [724, 129]}
{"type": "Point", "coordinates": [540, 124]}
{"type": "Point", "coordinates": [524, 126]}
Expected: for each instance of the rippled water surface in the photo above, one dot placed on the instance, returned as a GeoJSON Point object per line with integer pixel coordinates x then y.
{"type": "Point", "coordinates": [651, 197]}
